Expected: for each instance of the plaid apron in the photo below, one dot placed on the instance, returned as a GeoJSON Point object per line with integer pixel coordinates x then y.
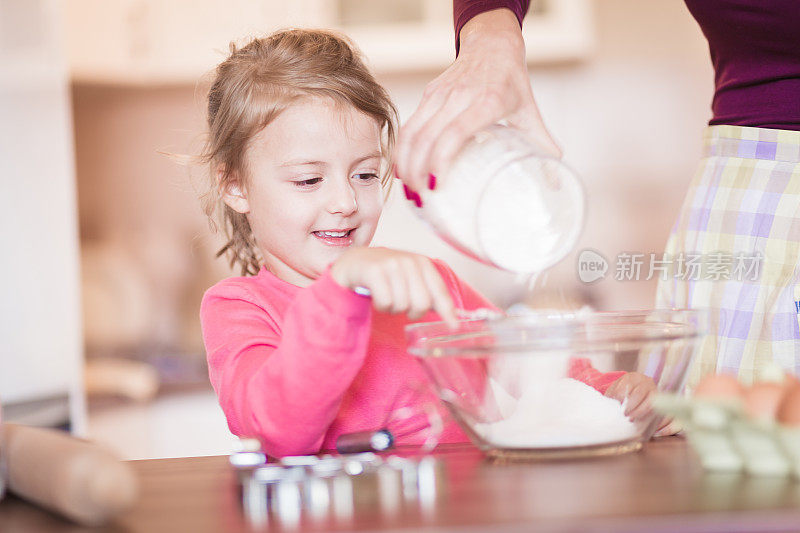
{"type": "Point", "coordinates": [740, 222]}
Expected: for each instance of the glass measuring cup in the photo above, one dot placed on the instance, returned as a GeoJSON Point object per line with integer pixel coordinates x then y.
{"type": "Point", "coordinates": [505, 203]}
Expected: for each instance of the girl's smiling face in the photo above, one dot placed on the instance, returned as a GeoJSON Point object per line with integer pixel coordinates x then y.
{"type": "Point", "coordinates": [312, 188]}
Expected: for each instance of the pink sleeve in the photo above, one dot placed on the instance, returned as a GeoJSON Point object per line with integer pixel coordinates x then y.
{"type": "Point", "coordinates": [465, 297]}
{"type": "Point", "coordinates": [283, 384]}
{"type": "Point", "coordinates": [473, 371]}
{"type": "Point", "coordinates": [581, 368]}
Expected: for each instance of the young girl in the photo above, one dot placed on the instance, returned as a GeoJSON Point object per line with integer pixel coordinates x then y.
{"type": "Point", "coordinates": [300, 134]}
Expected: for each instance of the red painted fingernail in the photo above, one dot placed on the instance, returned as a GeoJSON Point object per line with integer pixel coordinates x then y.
{"type": "Point", "coordinates": [417, 200]}
{"type": "Point", "coordinates": [431, 181]}
{"type": "Point", "coordinates": [407, 192]}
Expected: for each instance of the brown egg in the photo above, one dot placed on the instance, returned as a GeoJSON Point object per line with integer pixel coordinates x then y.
{"type": "Point", "coordinates": [719, 386]}
{"type": "Point", "coordinates": [761, 401]}
{"type": "Point", "coordinates": [789, 408]}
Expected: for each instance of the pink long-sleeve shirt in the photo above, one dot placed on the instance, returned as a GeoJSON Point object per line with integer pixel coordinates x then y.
{"type": "Point", "coordinates": [297, 367]}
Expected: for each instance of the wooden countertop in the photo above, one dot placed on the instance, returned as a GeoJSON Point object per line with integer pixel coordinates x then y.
{"type": "Point", "coordinates": [661, 488]}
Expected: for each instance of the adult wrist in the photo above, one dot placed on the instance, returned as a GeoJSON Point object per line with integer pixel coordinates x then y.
{"type": "Point", "coordinates": [496, 28]}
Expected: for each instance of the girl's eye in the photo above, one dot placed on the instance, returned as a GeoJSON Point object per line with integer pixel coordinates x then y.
{"type": "Point", "coordinates": [307, 183]}
{"type": "Point", "coordinates": [367, 176]}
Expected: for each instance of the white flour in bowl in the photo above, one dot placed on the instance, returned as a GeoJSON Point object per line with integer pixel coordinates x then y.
{"type": "Point", "coordinates": [559, 413]}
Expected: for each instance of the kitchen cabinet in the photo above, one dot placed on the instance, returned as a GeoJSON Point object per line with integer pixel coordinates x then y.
{"type": "Point", "coordinates": [152, 42]}
{"type": "Point", "coordinates": [41, 358]}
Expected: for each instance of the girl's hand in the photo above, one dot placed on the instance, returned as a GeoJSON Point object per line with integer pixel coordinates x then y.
{"type": "Point", "coordinates": [634, 390]}
{"type": "Point", "coordinates": [399, 282]}
{"type": "Point", "coordinates": [667, 427]}
{"type": "Point", "coordinates": [637, 389]}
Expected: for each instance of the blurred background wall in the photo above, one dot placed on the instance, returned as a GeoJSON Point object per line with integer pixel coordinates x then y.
{"type": "Point", "coordinates": [627, 99]}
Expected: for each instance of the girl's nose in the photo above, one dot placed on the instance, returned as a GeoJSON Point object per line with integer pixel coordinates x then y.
{"type": "Point", "coordinates": [342, 199]}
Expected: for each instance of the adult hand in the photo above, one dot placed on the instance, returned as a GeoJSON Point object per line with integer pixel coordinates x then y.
{"type": "Point", "coordinates": [486, 83]}
{"type": "Point", "coordinates": [398, 282]}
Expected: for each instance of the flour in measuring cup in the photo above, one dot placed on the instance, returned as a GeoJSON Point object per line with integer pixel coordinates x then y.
{"type": "Point", "coordinates": [506, 206]}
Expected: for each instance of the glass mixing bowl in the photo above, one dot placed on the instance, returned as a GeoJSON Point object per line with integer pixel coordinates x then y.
{"type": "Point", "coordinates": [520, 386]}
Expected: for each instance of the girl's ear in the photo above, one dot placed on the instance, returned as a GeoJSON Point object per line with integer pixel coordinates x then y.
{"type": "Point", "coordinates": [233, 194]}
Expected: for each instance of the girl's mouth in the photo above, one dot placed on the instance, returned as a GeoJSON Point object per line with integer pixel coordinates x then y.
{"type": "Point", "coordinates": [335, 237]}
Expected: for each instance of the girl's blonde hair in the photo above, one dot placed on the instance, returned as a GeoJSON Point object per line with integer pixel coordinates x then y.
{"type": "Point", "coordinates": [252, 87]}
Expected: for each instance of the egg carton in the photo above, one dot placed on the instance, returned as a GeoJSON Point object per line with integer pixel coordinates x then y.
{"type": "Point", "coordinates": [729, 441]}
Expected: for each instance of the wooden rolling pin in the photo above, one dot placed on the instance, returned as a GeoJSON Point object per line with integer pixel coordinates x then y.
{"type": "Point", "coordinates": [75, 478]}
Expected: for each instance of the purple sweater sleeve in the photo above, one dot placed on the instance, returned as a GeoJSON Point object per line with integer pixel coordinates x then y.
{"type": "Point", "coordinates": [463, 10]}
